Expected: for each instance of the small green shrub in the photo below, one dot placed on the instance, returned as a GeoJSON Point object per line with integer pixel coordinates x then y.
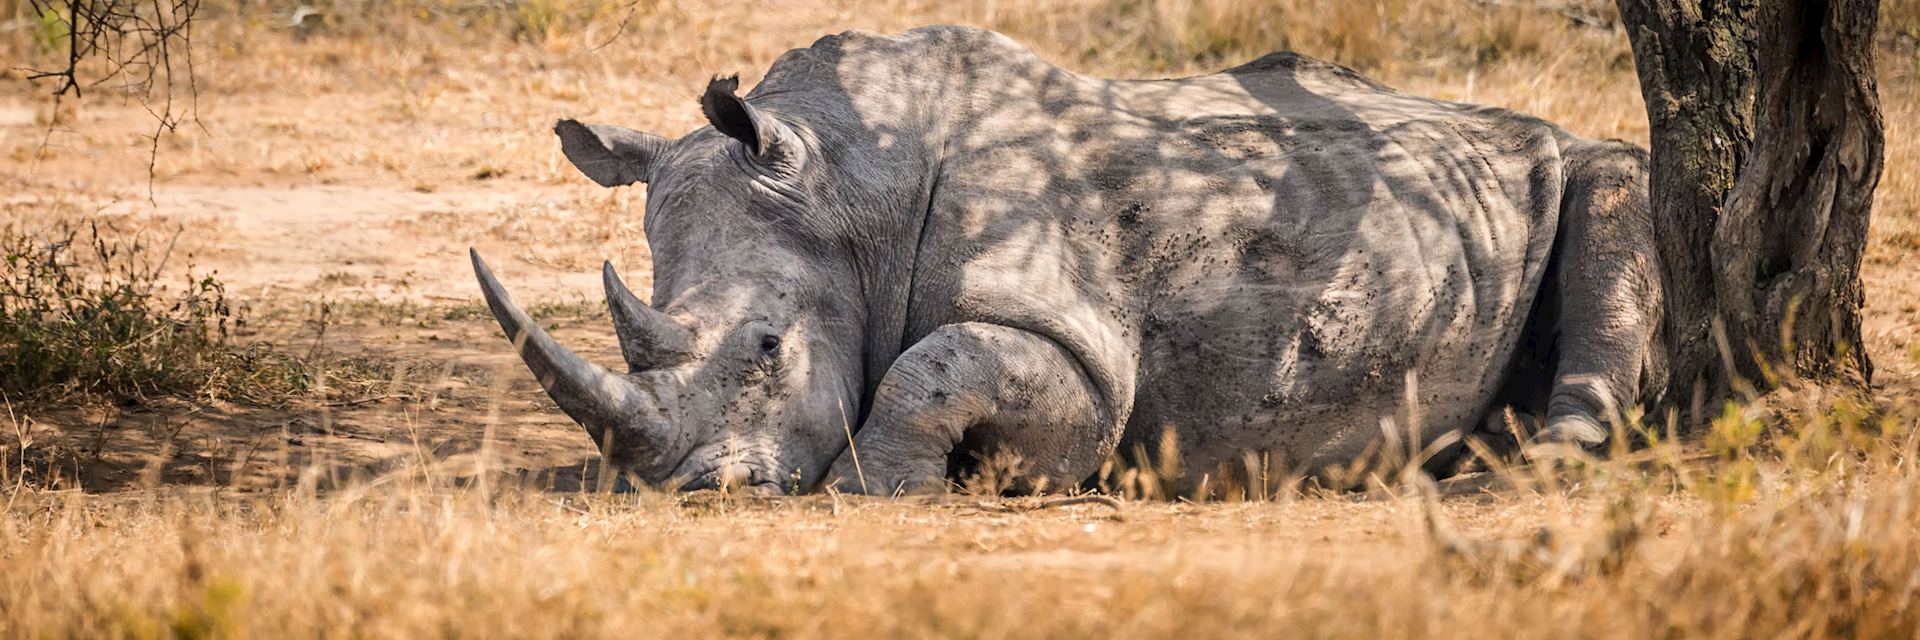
{"type": "Point", "coordinates": [85, 313]}
{"type": "Point", "coordinates": [50, 31]}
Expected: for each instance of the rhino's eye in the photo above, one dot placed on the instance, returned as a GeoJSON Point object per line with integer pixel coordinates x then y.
{"type": "Point", "coordinates": [769, 344]}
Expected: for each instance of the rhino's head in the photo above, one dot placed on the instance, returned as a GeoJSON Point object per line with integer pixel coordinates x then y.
{"type": "Point", "coordinates": [745, 371]}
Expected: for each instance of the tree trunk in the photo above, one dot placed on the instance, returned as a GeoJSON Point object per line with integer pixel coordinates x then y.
{"type": "Point", "coordinates": [1766, 148]}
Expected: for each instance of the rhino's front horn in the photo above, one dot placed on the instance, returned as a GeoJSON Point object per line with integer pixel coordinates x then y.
{"type": "Point", "coordinates": [596, 398]}
{"type": "Point", "coordinates": [648, 338]}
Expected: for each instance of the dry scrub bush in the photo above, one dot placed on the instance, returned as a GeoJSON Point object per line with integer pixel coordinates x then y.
{"type": "Point", "coordinates": [87, 312]}
{"type": "Point", "coordinates": [93, 309]}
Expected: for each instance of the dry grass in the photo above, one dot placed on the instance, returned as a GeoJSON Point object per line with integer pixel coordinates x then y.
{"type": "Point", "coordinates": [1812, 535]}
{"type": "Point", "coordinates": [344, 165]}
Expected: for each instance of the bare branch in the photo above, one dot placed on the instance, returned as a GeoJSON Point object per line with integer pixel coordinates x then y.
{"type": "Point", "coordinates": [135, 42]}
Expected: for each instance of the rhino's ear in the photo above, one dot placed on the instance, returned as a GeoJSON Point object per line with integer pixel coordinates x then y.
{"type": "Point", "coordinates": [770, 141]}
{"type": "Point", "coordinates": [611, 156]}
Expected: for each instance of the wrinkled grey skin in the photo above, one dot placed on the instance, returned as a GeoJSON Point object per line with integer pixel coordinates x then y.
{"type": "Point", "coordinates": [946, 246]}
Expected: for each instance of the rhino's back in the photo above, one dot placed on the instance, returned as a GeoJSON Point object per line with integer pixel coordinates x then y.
{"type": "Point", "coordinates": [1346, 243]}
{"type": "Point", "coordinates": [1257, 258]}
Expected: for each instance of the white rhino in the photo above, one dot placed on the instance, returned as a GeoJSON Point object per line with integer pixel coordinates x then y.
{"type": "Point", "coordinates": [938, 246]}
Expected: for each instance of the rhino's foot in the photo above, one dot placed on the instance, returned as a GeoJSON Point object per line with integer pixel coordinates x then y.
{"type": "Point", "coordinates": [1567, 435]}
{"type": "Point", "coordinates": [888, 464]}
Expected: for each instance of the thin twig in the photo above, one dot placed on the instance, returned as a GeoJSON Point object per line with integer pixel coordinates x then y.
{"type": "Point", "coordinates": [562, 504]}
{"type": "Point", "coordinates": [631, 8]}
{"type": "Point", "coordinates": [847, 428]}
{"type": "Point", "coordinates": [1063, 501]}
{"type": "Point", "coordinates": [369, 399]}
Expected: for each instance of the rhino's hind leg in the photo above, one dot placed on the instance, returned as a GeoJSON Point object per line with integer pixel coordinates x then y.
{"type": "Point", "coordinates": [1608, 289]}
{"type": "Point", "coordinates": [991, 387]}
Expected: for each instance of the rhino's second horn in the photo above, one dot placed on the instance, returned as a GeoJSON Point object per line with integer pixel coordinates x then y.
{"type": "Point", "coordinates": [648, 338]}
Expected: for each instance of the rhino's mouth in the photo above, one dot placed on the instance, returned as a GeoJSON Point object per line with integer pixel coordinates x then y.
{"type": "Point", "coordinates": [740, 481]}
{"type": "Point", "coordinates": [714, 483]}
{"type": "Point", "coordinates": [732, 475]}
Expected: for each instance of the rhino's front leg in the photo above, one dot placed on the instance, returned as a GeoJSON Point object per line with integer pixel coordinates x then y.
{"type": "Point", "coordinates": [995, 388]}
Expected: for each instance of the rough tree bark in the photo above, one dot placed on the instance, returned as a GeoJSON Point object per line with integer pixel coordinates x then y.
{"type": "Point", "coordinates": [1766, 148]}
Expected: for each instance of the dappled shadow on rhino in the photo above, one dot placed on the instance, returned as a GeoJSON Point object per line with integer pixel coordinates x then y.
{"type": "Point", "coordinates": [936, 245]}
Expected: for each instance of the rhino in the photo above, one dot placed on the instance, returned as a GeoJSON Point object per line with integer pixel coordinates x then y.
{"type": "Point", "coordinates": [900, 255]}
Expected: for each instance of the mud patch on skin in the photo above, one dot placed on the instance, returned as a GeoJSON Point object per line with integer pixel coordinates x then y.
{"type": "Point", "coordinates": [1265, 256]}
